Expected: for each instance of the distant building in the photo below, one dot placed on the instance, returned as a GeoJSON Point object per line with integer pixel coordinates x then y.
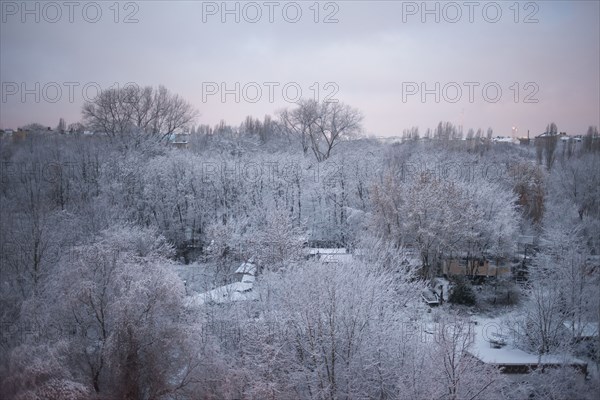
{"type": "Point", "coordinates": [546, 135]}
{"type": "Point", "coordinates": [331, 255]}
{"type": "Point", "coordinates": [550, 135]}
{"type": "Point", "coordinates": [475, 267]}
{"type": "Point", "coordinates": [503, 139]}
{"type": "Point", "coordinates": [180, 140]}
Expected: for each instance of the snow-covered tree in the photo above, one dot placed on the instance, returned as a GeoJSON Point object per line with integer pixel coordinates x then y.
{"type": "Point", "coordinates": [322, 125]}
{"type": "Point", "coordinates": [118, 308]}
{"type": "Point", "coordinates": [339, 327]}
{"type": "Point", "coordinates": [155, 113]}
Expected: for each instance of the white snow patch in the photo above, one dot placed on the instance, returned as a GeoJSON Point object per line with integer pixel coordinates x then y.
{"type": "Point", "coordinates": [487, 331]}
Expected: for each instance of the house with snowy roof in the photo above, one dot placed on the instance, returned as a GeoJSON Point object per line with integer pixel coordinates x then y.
{"type": "Point", "coordinates": [237, 291]}
{"type": "Point", "coordinates": [240, 290]}
{"type": "Point", "coordinates": [246, 268]}
{"type": "Point", "coordinates": [179, 140]}
{"type": "Point", "coordinates": [329, 255]}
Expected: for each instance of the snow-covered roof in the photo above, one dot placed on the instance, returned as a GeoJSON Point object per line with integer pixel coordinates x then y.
{"type": "Point", "coordinates": [330, 255]}
{"type": "Point", "coordinates": [237, 291]}
{"type": "Point", "coordinates": [315, 251]}
{"type": "Point", "coordinates": [584, 330]}
{"type": "Point", "coordinates": [246, 268]}
{"type": "Point", "coordinates": [335, 258]}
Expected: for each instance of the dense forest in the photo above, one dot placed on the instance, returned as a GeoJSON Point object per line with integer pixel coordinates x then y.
{"type": "Point", "coordinates": [112, 228]}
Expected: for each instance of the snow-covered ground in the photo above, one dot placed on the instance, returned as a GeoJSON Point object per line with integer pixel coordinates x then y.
{"type": "Point", "coordinates": [197, 277]}
{"type": "Point", "coordinates": [487, 331]}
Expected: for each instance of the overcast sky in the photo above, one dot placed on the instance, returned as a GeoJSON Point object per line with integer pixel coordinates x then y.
{"type": "Point", "coordinates": [375, 56]}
